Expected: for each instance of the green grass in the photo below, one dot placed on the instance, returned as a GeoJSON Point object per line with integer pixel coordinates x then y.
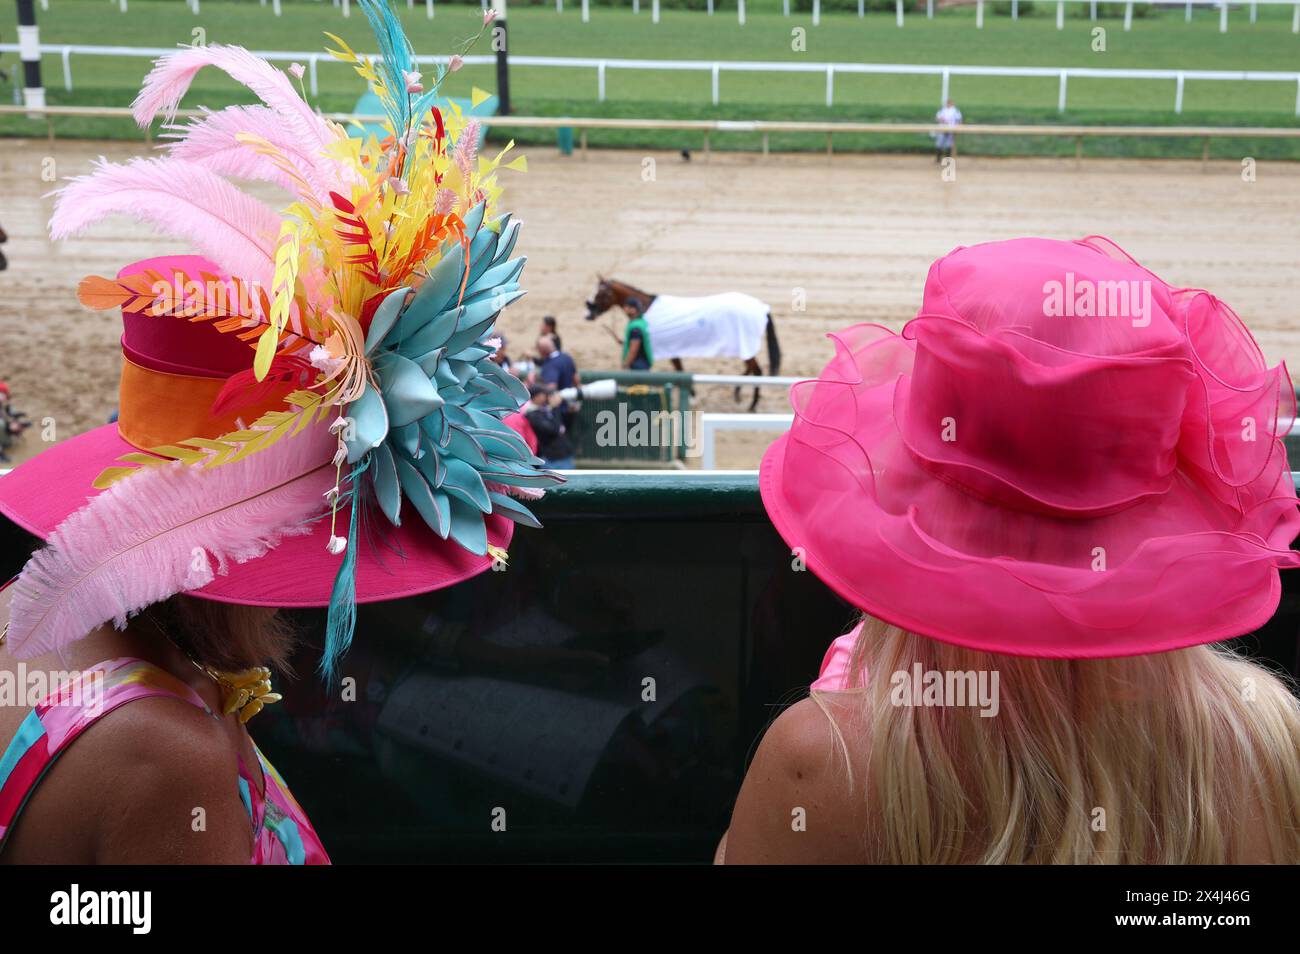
{"type": "Point", "coordinates": [1162, 41]}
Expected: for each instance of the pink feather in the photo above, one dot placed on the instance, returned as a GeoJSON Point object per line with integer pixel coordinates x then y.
{"type": "Point", "coordinates": [179, 199]}
{"type": "Point", "coordinates": [211, 143]}
{"type": "Point", "coordinates": [159, 532]}
{"type": "Point", "coordinates": [172, 74]}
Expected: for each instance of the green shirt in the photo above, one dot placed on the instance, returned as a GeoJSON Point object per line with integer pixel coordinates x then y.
{"type": "Point", "coordinates": [638, 325]}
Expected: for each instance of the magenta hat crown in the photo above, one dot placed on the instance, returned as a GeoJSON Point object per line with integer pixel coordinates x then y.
{"type": "Point", "coordinates": [1061, 455]}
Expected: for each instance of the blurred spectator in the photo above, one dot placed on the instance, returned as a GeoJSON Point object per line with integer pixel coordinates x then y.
{"type": "Point", "coordinates": [543, 415]}
{"type": "Point", "coordinates": [12, 423]}
{"type": "Point", "coordinates": [556, 371]}
{"type": "Point", "coordinates": [555, 368]}
{"type": "Point", "coordinates": [950, 115]}
{"type": "Point", "coordinates": [552, 327]}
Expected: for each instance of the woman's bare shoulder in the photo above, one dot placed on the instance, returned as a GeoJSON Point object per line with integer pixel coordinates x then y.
{"type": "Point", "coordinates": [162, 776]}
{"type": "Point", "coordinates": [799, 804]}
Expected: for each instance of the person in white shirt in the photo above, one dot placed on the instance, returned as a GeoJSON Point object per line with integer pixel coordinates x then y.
{"type": "Point", "coordinates": [950, 115]}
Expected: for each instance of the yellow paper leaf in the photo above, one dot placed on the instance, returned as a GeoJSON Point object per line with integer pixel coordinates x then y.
{"type": "Point", "coordinates": [187, 454]}
{"type": "Point", "coordinates": [111, 475]}
{"type": "Point", "coordinates": [266, 346]}
{"type": "Point", "coordinates": [478, 97]}
{"type": "Point", "coordinates": [519, 165]}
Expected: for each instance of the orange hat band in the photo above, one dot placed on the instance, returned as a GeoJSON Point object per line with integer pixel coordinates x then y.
{"type": "Point", "coordinates": [158, 407]}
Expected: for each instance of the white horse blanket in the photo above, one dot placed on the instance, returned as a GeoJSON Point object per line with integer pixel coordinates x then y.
{"type": "Point", "coordinates": [730, 325]}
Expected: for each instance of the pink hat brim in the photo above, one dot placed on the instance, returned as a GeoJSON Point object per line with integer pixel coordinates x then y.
{"type": "Point", "coordinates": [40, 493]}
{"type": "Point", "coordinates": [1037, 630]}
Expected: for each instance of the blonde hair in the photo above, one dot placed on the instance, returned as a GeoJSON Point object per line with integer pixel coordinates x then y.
{"type": "Point", "coordinates": [1182, 757]}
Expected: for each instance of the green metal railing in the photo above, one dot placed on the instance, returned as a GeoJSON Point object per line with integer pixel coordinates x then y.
{"type": "Point", "coordinates": [645, 425]}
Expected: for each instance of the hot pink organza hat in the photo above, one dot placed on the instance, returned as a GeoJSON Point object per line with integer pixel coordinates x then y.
{"type": "Point", "coordinates": [1061, 455]}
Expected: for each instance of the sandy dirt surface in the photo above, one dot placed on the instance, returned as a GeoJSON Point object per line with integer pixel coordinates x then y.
{"type": "Point", "coordinates": [852, 238]}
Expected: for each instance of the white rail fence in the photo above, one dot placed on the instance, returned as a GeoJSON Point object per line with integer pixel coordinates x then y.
{"type": "Point", "coordinates": [712, 424]}
{"type": "Point", "coordinates": [899, 11]}
{"type": "Point", "coordinates": [715, 69]}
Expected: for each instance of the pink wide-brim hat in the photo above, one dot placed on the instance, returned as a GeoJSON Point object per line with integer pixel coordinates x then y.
{"type": "Point", "coordinates": [40, 493]}
{"type": "Point", "coordinates": [1061, 455]}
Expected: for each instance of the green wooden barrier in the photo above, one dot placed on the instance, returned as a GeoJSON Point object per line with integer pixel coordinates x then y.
{"type": "Point", "coordinates": [647, 425]}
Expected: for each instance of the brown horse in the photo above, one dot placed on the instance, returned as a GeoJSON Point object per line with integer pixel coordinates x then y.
{"type": "Point", "coordinates": [714, 326]}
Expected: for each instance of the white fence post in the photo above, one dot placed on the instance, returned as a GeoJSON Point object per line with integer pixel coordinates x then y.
{"type": "Point", "coordinates": [979, 14]}
{"type": "Point", "coordinates": [898, 12]}
{"type": "Point", "coordinates": [710, 7]}
{"type": "Point", "coordinates": [559, 6]}
{"type": "Point", "coordinates": [711, 424]}
{"type": "Point", "coordinates": [428, 8]}
{"type": "Point", "coordinates": [785, 8]}
{"type": "Point", "coordinates": [600, 82]}
{"type": "Point", "coordinates": [1015, 9]}
{"type": "Point", "coordinates": [817, 12]}
{"type": "Point", "coordinates": [347, 12]}
{"type": "Point", "coordinates": [740, 12]}
{"type": "Point", "coordinates": [929, 9]}
{"type": "Point", "coordinates": [1187, 15]}
{"type": "Point", "coordinates": [1253, 9]}
{"type": "Point", "coordinates": [1295, 19]}
{"type": "Point", "coordinates": [830, 85]}
{"type": "Point", "coordinates": [862, 8]}
{"type": "Point", "coordinates": [1060, 14]}
{"type": "Point", "coordinates": [1178, 94]}
{"type": "Point", "coordinates": [586, 11]}
{"type": "Point", "coordinates": [1223, 16]}
{"type": "Point", "coordinates": [275, 6]}
{"type": "Point", "coordinates": [1092, 12]}
{"type": "Point", "coordinates": [311, 70]}
{"type": "Point", "coordinates": [715, 83]}
{"type": "Point", "coordinates": [1128, 16]}
{"type": "Point", "coordinates": [67, 68]}
{"type": "Point", "coordinates": [654, 11]}
{"type": "Point", "coordinates": [943, 93]}
{"type": "Point", "coordinates": [1060, 95]}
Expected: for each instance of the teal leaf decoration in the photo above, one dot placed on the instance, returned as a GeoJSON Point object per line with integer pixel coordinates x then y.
{"type": "Point", "coordinates": [467, 527]}
{"type": "Point", "coordinates": [369, 425]}
{"type": "Point", "coordinates": [385, 315]}
{"type": "Point", "coordinates": [407, 391]}
{"type": "Point", "coordinates": [431, 504]}
{"type": "Point", "coordinates": [431, 430]}
{"type": "Point", "coordinates": [387, 489]}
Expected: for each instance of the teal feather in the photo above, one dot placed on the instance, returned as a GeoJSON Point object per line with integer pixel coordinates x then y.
{"type": "Point", "coordinates": [341, 620]}
{"type": "Point", "coordinates": [398, 56]}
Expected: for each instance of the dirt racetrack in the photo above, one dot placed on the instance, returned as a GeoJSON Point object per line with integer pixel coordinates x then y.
{"type": "Point", "coordinates": [854, 236]}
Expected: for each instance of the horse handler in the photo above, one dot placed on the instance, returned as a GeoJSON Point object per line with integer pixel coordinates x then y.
{"type": "Point", "coordinates": [637, 353]}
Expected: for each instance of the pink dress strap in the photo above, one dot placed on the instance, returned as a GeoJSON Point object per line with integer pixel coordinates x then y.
{"type": "Point", "coordinates": [281, 832]}
{"type": "Point", "coordinates": [834, 673]}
